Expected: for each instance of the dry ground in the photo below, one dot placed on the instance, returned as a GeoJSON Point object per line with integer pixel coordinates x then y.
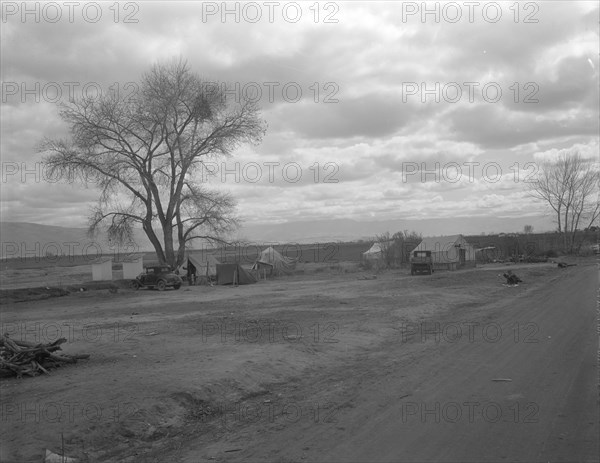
{"type": "Point", "coordinates": [200, 373]}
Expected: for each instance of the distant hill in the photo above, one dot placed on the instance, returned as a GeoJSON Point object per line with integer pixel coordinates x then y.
{"type": "Point", "coordinates": [21, 239]}
{"type": "Point", "coordinates": [349, 230]}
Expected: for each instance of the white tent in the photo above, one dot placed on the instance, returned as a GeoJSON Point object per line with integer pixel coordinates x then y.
{"type": "Point", "coordinates": [205, 264]}
{"type": "Point", "coordinates": [375, 253]}
{"type": "Point", "coordinates": [277, 263]}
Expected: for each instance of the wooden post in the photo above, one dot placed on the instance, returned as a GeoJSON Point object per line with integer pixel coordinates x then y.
{"type": "Point", "coordinates": [235, 277]}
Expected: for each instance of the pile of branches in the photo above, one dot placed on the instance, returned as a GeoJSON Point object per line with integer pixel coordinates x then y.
{"type": "Point", "coordinates": [18, 358]}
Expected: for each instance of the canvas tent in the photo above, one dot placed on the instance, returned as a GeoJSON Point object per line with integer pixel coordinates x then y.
{"type": "Point", "coordinates": [375, 253]}
{"type": "Point", "coordinates": [448, 252]}
{"type": "Point", "coordinates": [274, 262]}
{"type": "Point", "coordinates": [228, 274]}
{"type": "Point", "coordinates": [202, 264]}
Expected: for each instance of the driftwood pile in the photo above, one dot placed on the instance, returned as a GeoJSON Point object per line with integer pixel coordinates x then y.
{"type": "Point", "coordinates": [18, 358]}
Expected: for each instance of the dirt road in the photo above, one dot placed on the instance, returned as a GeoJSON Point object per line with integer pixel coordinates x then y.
{"type": "Point", "coordinates": [514, 381]}
{"type": "Point", "coordinates": [325, 367]}
{"type": "Point", "coordinates": [457, 412]}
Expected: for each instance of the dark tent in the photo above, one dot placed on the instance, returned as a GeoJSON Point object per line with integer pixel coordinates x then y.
{"type": "Point", "coordinates": [228, 274]}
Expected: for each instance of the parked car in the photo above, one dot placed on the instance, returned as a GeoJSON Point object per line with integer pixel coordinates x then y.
{"type": "Point", "coordinates": [421, 262]}
{"type": "Point", "coordinates": [159, 277]}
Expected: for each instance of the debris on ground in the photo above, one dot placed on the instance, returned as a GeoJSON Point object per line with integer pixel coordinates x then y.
{"type": "Point", "coordinates": [565, 265]}
{"type": "Point", "coordinates": [511, 278]}
{"type": "Point", "coordinates": [367, 277]}
{"type": "Point", "coordinates": [18, 358]}
{"type": "Point", "coordinates": [502, 379]}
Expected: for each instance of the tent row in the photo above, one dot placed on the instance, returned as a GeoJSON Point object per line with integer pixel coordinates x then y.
{"type": "Point", "coordinates": [447, 252]}
{"type": "Point", "coordinates": [205, 267]}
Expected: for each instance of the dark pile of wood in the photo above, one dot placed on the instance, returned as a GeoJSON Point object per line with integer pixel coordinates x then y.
{"type": "Point", "coordinates": [18, 358]}
{"type": "Point", "coordinates": [565, 265]}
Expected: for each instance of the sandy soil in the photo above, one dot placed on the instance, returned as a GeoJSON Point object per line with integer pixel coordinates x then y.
{"type": "Point", "coordinates": [197, 374]}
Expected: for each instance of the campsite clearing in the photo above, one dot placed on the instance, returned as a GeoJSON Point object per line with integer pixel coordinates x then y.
{"type": "Point", "coordinates": [282, 369]}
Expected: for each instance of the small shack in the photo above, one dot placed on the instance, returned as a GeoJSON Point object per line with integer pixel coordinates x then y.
{"type": "Point", "coordinates": [102, 269]}
{"type": "Point", "coordinates": [486, 255]}
{"type": "Point", "coordinates": [132, 267]}
{"type": "Point", "coordinates": [448, 252]}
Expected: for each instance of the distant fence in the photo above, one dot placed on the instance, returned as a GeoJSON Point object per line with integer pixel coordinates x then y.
{"type": "Point", "coordinates": [534, 244]}
{"type": "Point", "coordinates": [504, 247]}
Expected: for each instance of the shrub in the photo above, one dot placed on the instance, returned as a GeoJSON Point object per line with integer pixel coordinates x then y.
{"type": "Point", "coordinates": [366, 265]}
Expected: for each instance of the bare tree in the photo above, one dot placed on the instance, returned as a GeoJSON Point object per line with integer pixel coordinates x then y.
{"type": "Point", "coordinates": [396, 248]}
{"type": "Point", "coordinates": [145, 152]}
{"type": "Point", "coordinates": [570, 186]}
{"type": "Point", "coordinates": [404, 243]}
{"type": "Point", "coordinates": [387, 248]}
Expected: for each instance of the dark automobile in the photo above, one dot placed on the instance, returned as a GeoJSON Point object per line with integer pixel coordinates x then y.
{"type": "Point", "coordinates": [157, 277]}
{"type": "Point", "coordinates": [421, 262]}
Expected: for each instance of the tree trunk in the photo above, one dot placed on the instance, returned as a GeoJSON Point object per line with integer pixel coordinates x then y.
{"type": "Point", "coordinates": [169, 249]}
{"type": "Point", "coordinates": [147, 226]}
{"type": "Point", "coordinates": [180, 239]}
{"type": "Point", "coordinates": [566, 231]}
{"type": "Point", "coordinates": [180, 253]}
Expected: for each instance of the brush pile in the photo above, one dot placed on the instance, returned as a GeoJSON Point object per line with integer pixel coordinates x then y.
{"type": "Point", "coordinates": [18, 358]}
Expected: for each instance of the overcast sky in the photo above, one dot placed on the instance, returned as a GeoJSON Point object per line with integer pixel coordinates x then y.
{"type": "Point", "coordinates": [357, 95]}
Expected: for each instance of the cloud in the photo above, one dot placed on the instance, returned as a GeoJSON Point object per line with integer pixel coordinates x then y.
{"type": "Point", "coordinates": [370, 116]}
{"type": "Point", "coordinates": [492, 126]}
{"type": "Point", "coordinates": [586, 150]}
{"type": "Point", "coordinates": [353, 112]}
